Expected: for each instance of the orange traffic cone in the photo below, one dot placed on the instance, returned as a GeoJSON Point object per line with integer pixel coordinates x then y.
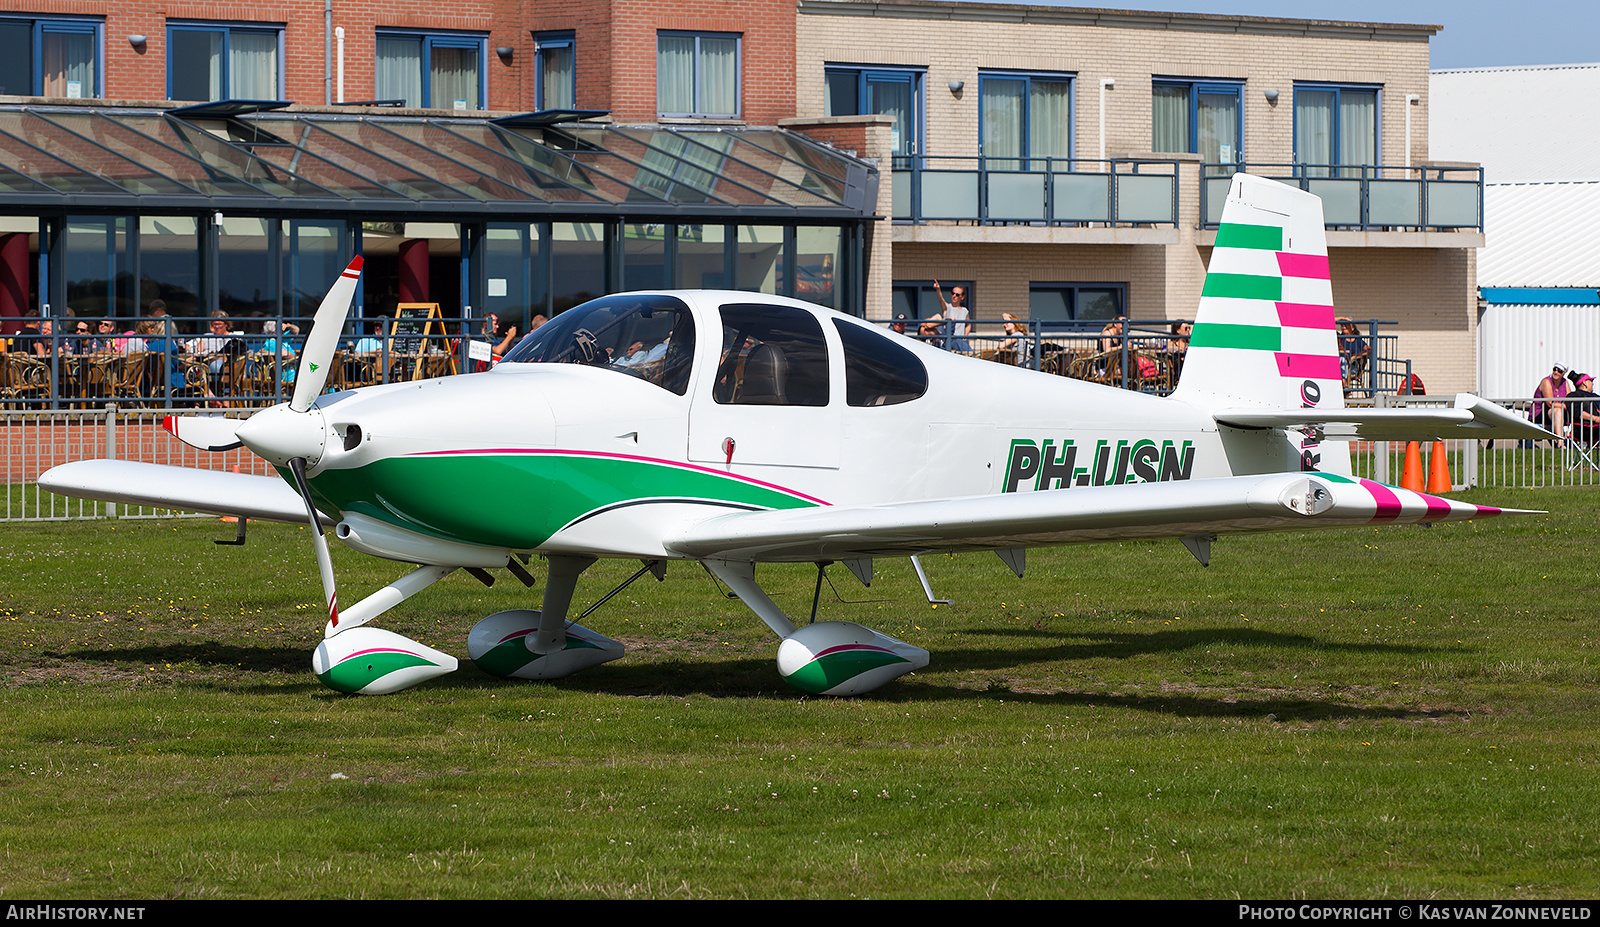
{"type": "Point", "coordinates": [1438, 468]}
{"type": "Point", "coordinates": [1411, 476]}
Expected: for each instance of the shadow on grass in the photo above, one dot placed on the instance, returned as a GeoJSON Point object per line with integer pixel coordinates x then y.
{"type": "Point", "coordinates": [1120, 645]}
{"type": "Point", "coordinates": [757, 678]}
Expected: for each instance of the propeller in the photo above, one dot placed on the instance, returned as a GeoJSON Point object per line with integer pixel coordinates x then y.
{"type": "Point", "coordinates": [291, 434]}
{"type": "Point", "coordinates": [215, 433]}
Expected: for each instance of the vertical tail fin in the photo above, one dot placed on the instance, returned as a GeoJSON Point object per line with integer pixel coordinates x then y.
{"type": "Point", "coordinates": [1264, 333]}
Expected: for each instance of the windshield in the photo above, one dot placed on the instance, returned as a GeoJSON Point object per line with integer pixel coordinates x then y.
{"type": "Point", "coordinates": [649, 337]}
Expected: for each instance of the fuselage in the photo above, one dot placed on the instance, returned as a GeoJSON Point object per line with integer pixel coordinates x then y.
{"type": "Point", "coordinates": [594, 457]}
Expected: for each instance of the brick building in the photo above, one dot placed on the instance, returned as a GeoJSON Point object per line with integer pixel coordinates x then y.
{"type": "Point", "coordinates": [1062, 163]}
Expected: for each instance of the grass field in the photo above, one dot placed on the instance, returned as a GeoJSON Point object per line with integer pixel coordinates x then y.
{"type": "Point", "coordinates": [1374, 713]}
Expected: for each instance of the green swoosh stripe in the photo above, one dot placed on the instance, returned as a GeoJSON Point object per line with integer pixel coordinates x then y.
{"type": "Point", "coordinates": [352, 675]}
{"type": "Point", "coordinates": [518, 500]}
{"type": "Point", "coordinates": [825, 672]}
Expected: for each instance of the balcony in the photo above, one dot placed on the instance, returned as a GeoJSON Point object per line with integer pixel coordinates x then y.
{"type": "Point", "coordinates": [1368, 198]}
{"type": "Point", "coordinates": [1067, 192]}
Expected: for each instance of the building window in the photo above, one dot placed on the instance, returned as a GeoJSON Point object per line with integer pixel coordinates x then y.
{"type": "Point", "coordinates": [555, 70]}
{"type": "Point", "coordinates": [881, 92]}
{"type": "Point", "coordinates": [1201, 118]}
{"type": "Point", "coordinates": [1335, 129]}
{"type": "Point", "coordinates": [1076, 302]}
{"type": "Point", "coordinates": [50, 57]}
{"type": "Point", "coordinates": [697, 74]}
{"type": "Point", "coordinates": [1025, 116]}
{"type": "Point", "coordinates": [434, 71]}
{"type": "Point", "coordinates": [223, 62]}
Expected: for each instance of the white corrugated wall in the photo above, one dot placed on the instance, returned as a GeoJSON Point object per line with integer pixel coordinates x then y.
{"type": "Point", "coordinates": [1518, 343]}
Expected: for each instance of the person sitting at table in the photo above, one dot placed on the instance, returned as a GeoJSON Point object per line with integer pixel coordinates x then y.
{"type": "Point", "coordinates": [1016, 340]}
{"type": "Point", "coordinates": [1581, 410]}
{"type": "Point", "coordinates": [105, 337]}
{"type": "Point", "coordinates": [373, 342]}
{"type": "Point", "coordinates": [44, 343]}
{"type": "Point", "coordinates": [161, 341]}
{"type": "Point", "coordinates": [217, 343]}
{"type": "Point", "coordinates": [79, 342]}
{"type": "Point", "coordinates": [280, 348]}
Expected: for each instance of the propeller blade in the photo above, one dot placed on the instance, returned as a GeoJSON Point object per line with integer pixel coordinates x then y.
{"type": "Point", "coordinates": [330, 593]}
{"type": "Point", "coordinates": [324, 338]}
{"type": "Point", "coordinates": [207, 432]}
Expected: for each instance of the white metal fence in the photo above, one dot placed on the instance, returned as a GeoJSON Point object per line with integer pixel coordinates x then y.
{"type": "Point", "coordinates": [36, 441]}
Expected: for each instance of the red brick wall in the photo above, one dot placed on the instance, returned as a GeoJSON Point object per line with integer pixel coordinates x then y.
{"type": "Point", "coordinates": [616, 45]}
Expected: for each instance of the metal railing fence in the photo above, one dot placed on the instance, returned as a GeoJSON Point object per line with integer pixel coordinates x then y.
{"type": "Point", "coordinates": [184, 370]}
{"type": "Point", "coordinates": [1044, 191]}
{"type": "Point", "coordinates": [1365, 196]}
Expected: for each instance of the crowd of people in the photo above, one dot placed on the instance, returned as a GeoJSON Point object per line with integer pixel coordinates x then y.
{"type": "Point", "coordinates": [204, 363]}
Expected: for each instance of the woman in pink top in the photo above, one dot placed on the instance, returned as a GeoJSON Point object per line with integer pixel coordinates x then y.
{"type": "Point", "coordinates": [1550, 414]}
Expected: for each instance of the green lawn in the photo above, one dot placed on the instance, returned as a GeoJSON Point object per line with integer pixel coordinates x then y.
{"type": "Point", "coordinates": [1379, 713]}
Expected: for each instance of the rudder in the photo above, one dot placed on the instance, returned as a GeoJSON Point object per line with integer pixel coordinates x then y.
{"type": "Point", "coordinates": [1264, 333]}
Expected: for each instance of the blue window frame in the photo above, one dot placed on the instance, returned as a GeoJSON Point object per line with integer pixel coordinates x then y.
{"type": "Point", "coordinates": [224, 61]}
{"type": "Point", "coordinates": [1201, 117]}
{"type": "Point", "coordinates": [555, 70]}
{"type": "Point", "coordinates": [434, 70]}
{"type": "Point", "coordinates": [1024, 116]}
{"type": "Point", "coordinates": [51, 57]}
{"type": "Point", "coordinates": [897, 92]}
{"type": "Point", "coordinates": [1077, 302]}
{"type": "Point", "coordinates": [1336, 128]}
{"type": "Point", "coordinates": [698, 74]}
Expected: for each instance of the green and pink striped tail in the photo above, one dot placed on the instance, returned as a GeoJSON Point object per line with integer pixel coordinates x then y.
{"type": "Point", "coordinates": [1264, 332]}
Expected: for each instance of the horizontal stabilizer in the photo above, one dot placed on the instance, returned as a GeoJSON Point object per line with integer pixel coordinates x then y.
{"type": "Point", "coordinates": [1469, 417]}
{"type": "Point", "coordinates": [1271, 502]}
{"type": "Point", "coordinates": [182, 489]}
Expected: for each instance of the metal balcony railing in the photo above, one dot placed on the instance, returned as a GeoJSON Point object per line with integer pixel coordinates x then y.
{"type": "Point", "coordinates": [1035, 191]}
{"type": "Point", "coordinates": [1365, 196]}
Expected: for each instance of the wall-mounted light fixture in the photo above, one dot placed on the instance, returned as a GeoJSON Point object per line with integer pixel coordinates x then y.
{"type": "Point", "coordinates": [1272, 97]}
{"type": "Point", "coordinates": [956, 85]}
{"type": "Point", "coordinates": [505, 52]}
{"type": "Point", "coordinates": [138, 41]}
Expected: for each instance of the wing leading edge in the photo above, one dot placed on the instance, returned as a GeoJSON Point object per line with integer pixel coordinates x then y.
{"type": "Point", "coordinates": [1272, 502]}
{"type": "Point", "coordinates": [183, 489]}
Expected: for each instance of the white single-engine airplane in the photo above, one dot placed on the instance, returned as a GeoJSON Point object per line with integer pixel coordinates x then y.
{"type": "Point", "coordinates": [733, 429]}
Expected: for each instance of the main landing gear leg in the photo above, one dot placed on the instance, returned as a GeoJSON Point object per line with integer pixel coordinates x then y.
{"type": "Point", "coordinates": [529, 644]}
{"type": "Point", "coordinates": [827, 658]}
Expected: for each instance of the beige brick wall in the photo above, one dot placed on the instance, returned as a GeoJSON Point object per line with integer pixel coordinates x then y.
{"type": "Point", "coordinates": [955, 41]}
{"type": "Point", "coordinates": [1430, 291]}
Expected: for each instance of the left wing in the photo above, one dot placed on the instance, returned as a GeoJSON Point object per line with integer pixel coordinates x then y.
{"type": "Point", "coordinates": [182, 489]}
{"type": "Point", "coordinates": [1278, 501]}
{"type": "Point", "coordinates": [1469, 417]}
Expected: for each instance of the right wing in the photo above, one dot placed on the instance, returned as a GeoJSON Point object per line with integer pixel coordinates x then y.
{"type": "Point", "coordinates": [182, 489]}
{"type": "Point", "coordinates": [1178, 509]}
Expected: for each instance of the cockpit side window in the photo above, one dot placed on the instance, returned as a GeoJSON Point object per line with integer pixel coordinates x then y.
{"type": "Point", "coordinates": [877, 371]}
{"type": "Point", "coordinates": [771, 356]}
{"type": "Point", "coordinates": [649, 337]}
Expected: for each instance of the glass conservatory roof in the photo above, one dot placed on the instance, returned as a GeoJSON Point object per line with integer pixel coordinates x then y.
{"type": "Point", "coordinates": [246, 158]}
